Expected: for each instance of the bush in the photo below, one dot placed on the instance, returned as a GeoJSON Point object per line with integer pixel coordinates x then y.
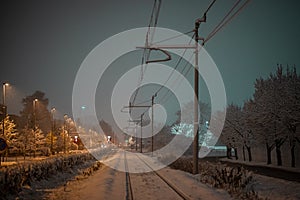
{"type": "Point", "coordinates": [236, 180]}
{"type": "Point", "coordinates": [12, 179]}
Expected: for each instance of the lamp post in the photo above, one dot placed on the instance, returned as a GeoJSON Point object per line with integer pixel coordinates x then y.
{"type": "Point", "coordinates": [4, 110]}
{"type": "Point", "coordinates": [65, 131]}
{"type": "Point", "coordinates": [4, 107]}
{"type": "Point", "coordinates": [52, 130]}
{"type": "Point", "coordinates": [34, 124]}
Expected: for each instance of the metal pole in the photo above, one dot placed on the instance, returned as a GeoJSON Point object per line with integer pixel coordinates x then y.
{"type": "Point", "coordinates": [52, 130]}
{"type": "Point", "coordinates": [65, 135]}
{"type": "Point", "coordinates": [135, 138]}
{"type": "Point", "coordinates": [4, 114]}
{"type": "Point", "coordinates": [34, 126]}
{"type": "Point", "coordinates": [152, 116]}
{"type": "Point", "coordinates": [196, 88]}
{"type": "Point", "coordinates": [142, 132]}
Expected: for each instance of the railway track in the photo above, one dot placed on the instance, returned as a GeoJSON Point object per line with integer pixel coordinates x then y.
{"type": "Point", "coordinates": [155, 177]}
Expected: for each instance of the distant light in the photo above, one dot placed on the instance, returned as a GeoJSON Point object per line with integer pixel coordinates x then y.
{"type": "Point", "coordinates": [83, 107]}
{"type": "Point", "coordinates": [207, 124]}
{"type": "Point", "coordinates": [35, 100]}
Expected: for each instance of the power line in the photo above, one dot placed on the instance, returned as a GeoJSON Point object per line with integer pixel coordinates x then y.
{"type": "Point", "coordinates": [226, 16]}
{"type": "Point", "coordinates": [204, 16]}
{"type": "Point", "coordinates": [176, 66]}
{"type": "Point", "coordinates": [173, 37]}
{"type": "Point", "coordinates": [209, 7]}
{"type": "Point", "coordinates": [226, 19]}
{"type": "Point", "coordinates": [170, 75]}
{"type": "Point", "coordinates": [221, 25]}
{"type": "Point", "coordinates": [165, 98]}
{"type": "Point", "coordinates": [146, 52]}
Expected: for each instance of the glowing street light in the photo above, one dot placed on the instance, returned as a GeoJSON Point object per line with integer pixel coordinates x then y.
{"type": "Point", "coordinates": [4, 106]}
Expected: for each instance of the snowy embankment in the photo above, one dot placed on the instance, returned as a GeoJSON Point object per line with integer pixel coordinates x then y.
{"type": "Point", "coordinates": [273, 187]}
{"type": "Point", "coordinates": [22, 180]}
{"type": "Point", "coordinates": [241, 183]}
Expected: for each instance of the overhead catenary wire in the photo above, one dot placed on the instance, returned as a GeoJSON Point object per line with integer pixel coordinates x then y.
{"type": "Point", "coordinates": [146, 52]}
{"type": "Point", "coordinates": [167, 95]}
{"type": "Point", "coordinates": [204, 15]}
{"type": "Point", "coordinates": [170, 75]}
{"type": "Point", "coordinates": [226, 19]}
{"type": "Point", "coordinates": [220, 26]}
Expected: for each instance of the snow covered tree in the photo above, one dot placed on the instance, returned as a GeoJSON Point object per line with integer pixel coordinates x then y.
{"type": "Point", "coordinates": [54, 141]}
{"type": "Point", "coordinates": [36, 113]}
{"type": "Point", "coordinates": [63, 141]}
{"type": "Point", "coordinates": [26, 138]}
{"type": "Point", "coordinates": [10, 133]}
{"type": "Point", "coordinates": [277, 107]}
{"type": "Point", "coordinates": [184, 125]}
{"type": "Point", "coordinates": [232, 128]}
{"type": "Point", "coordinates": [40, 141]}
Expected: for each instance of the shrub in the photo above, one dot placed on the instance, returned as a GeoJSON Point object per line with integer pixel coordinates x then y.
{"type": "Point", "coordinates": [236, 180]}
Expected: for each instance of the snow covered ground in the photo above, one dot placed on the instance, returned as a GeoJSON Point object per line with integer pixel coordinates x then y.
{"type": "Point", "coordinates": [276, 189]}
{"type": "Point", "coordinates": [108, 183]}
{"type": "Point", "coordinates": [273, 188]}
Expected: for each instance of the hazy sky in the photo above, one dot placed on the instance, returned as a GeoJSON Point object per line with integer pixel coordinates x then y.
{"type": "Point", "coordinates": [43, 43]}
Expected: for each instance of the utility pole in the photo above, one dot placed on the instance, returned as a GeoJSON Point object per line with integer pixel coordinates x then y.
{"type": "Point", "coordinates": [135, 139]}
{"type": "Point", "coordinates": [196, 84]}
{"type": "Point", "coordinates": [196, 97]}
{"type": "Point", "coordinates": [152, 121]}
{"type": "Point", "coordinates": [141, 121]}
{"type": "Point", "coordinates": [142, 115]}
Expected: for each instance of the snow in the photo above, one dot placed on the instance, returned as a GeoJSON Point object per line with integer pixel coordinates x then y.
{"type": "Point", "coordinates": [276, 189]}
{"type": "Point", "coordinates": [263, 164]}
{"type": "Point", "coordinates": [108, 183]}
{"type": "Point", "coordinates": [273, 188]}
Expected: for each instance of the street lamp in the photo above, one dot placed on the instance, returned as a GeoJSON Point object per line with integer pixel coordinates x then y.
{"type": "Point", "coordinates": [4, 91]}
{"type": "Point", "coordinates": [65, 131]}
{"type": "Point", "coordinates": [4, 110]}
{"type": "Point", "coordinates": [34, 124]}
{"type": "Point", "coordinates": [52, 130]}
{"type": "Point", "coordinates": [4, 107]}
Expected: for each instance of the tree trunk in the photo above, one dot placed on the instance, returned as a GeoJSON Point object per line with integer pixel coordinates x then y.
{"type": "Point", "coordinates": [269, 158]}
{"type": "Point", "coordinates": [293, 161]}
{"type": "Point", "coordinates": [228, 153]}
{"type": "Point", "coordinates": [244, 156]}
{"type": "Point", "coordinates": [236, 153]}
{"type": "Point", "coordinates": [249, 153]}
{"type": "Point", "coordinates": [278, 155]}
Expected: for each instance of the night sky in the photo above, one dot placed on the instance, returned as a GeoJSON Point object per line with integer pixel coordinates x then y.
{"type": "Point", "coordinates": [43, 43]}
